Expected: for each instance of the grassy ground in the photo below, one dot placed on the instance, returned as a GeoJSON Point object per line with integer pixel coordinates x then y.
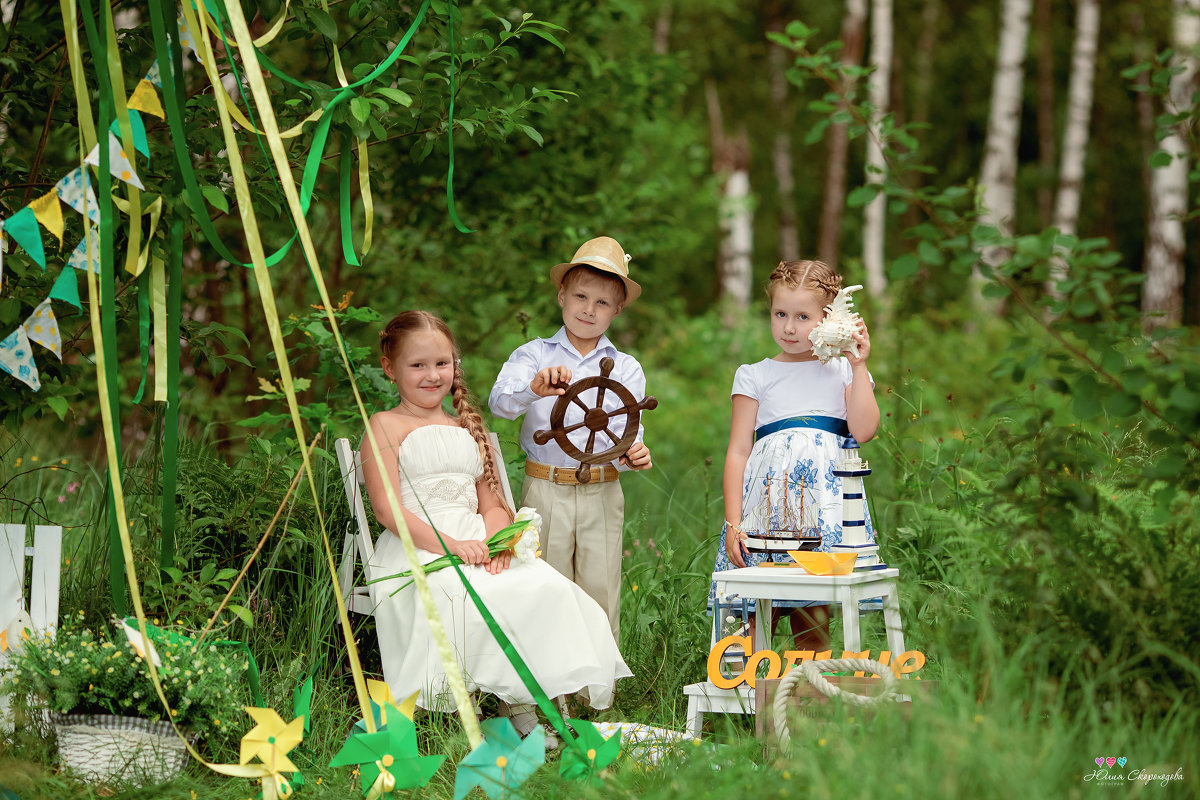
{"type": "Point", "coordinates": [1051, 643]}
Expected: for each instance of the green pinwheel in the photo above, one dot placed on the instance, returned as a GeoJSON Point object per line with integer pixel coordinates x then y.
{"type": "Point", "coordinates": [502, 762]}
{"type": "Point", "coordinates": [388, 758]}
{"type": "Point", "coordinates": [591, 752]}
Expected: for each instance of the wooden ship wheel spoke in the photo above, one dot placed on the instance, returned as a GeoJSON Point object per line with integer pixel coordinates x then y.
{"type": "Point", "coordinates": [596, 419]}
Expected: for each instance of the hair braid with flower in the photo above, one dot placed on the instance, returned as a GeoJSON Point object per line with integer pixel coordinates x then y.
{"type": "Point", "coordinates": [390, 340]}
{"type": "Point", "coordinates": [814, 275]}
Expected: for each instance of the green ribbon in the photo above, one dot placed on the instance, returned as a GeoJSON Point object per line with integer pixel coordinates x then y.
{"type": "Point", "coordinates": [170, 637]}
{"type": "Point", "coordinates": [108, 318]}
{"type": "Point", "coordinates": [344, 170]}
{"type": "Point", "coordinates": [450, 134]}
{"type": "Point", "coordinates": [173, 93]}
{"type": "Point", "coordinates": [506, 645]}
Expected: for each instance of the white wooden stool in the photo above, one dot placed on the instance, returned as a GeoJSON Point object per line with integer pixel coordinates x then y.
{"type": "Point", "coordinates": [705, 698]}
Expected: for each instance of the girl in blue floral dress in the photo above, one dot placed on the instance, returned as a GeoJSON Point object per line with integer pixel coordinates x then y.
{"type": "Point", "coordinates": [791, 417]}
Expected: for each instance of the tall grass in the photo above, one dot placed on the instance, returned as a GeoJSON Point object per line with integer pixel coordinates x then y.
{"type": "Point", "coordinates": [1048, 580]}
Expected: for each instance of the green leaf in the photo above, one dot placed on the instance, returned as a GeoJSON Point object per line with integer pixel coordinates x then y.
{"type": "Point", "coordinates": [549, 37]}
{"type": "Point", "coordinates": [905, 266]}
{"type": "Point", "coordinates": [324, 23]}
{"type": "Point", "coordinates": [1160, 159]}
{"type": "Point", "coordinates": [395, 95]}
{"type": "Point", "coordinates": [863, 194]}
{"type": "Point", "coordinates": [532, 134]}
{"type": "Point", "coordinates": [214, 196]}
{"type": "Point", "coordinates": [1085, 398]}
{"type": "Point", "coordinates": [929, 253]}
{"type": "Point", "coordinates": [59, 406]}
{"type": "Point", "coordinates": [360, 108]}
{"type": "Point", "coordinates": [242, 613]}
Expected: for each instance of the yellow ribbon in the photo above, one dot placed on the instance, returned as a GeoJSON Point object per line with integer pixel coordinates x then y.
{"type": "Point", "coordinates": [87, 126]}
{"type": "Point", "coordinates": [384, 782]}
{"type": "Point", "coordinates": [446, 652]}
{"type": "Point", "coordinates": [364, 188]}
{"type": "Point", "coordinates": [117, 77]}
{"type": "Point", "coordinates": [158, 310]}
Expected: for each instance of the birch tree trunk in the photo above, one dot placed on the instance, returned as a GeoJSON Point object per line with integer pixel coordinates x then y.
{"type": "Point", "coordinates": [997, 176]}
{"type": "Point", "coordinates": [1162, 297]}
{"type": "Point", "coordinates": [1075, 137]}
{"type": "Point", "coordinates": [875, 214]}
{"type": "Point", "coordinates": [1044, 22]}
{"type": "Point", "coordinates": [731, 161]}
{"type": "Point", "coordinates": [829, 237]}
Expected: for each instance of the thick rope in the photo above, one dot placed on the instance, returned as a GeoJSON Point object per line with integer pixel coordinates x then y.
{"type": "Point", "coordinates": [811, 672]}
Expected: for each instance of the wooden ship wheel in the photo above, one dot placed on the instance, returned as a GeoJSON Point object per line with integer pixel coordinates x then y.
{"type": "Point", "coordinates": [596, 420]}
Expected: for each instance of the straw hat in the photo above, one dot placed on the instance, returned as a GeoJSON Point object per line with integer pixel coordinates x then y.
{"type": "Point", "coordinates": [605, 254]}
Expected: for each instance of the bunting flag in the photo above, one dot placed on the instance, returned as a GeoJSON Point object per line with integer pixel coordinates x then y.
{"type": "Point", "coordinates": [187, 38]}
{"type": "Point", "coordinates": [48, 212]}
{"type": "Point", "coordinates": [75, 189]}
{"type": "Point", "coordinates": [153, 75]}
{"type": "Point", "coordinates": [144, 98]}
{"type": "Point", "coordinates": [138, 129]}
{"type": "Point", "coordinates": [79, 258]}
{"type": "Point", "coordinates": [118, 162]}
{"type": "Point", "coordinates": [66, 288]}
{"type": "Point", "coordinates": [16, 358]}
{"type": "Point", "coordinates": [42, 327]}
{"type": "Point", "coordinates": [23, 228]}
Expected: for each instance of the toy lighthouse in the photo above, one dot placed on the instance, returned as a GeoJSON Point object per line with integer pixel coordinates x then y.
{"type": "Point", "coordinates": [852, 469]}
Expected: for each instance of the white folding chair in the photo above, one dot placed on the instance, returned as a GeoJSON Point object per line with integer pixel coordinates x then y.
{"type": "Point", "coordinates": [35, 607]}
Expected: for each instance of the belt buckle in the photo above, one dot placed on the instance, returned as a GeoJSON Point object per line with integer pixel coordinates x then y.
{"type": "Point", "coordinates": [554, 476]}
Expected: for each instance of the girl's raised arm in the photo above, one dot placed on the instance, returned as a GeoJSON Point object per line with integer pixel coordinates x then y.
{"type": "Point", "coordinates": [741, 442]}
{"type": "Point", "coordinates": [862, 410]}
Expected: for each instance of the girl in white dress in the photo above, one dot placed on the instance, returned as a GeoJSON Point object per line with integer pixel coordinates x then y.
{"type": "Point", "coordinates": [791, 416]}
{"type": "Point", "coordinates": [441, 468]}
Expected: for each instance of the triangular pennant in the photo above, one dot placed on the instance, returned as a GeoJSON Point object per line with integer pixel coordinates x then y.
{"type": "Point", "coordinates": [23, 228]}
{"type": "Point", "coordinates": [66, 288]}
{"type": "Point", "coordinates": [42, 327]}
{"type": "Point", "coordinates": [16, 358]}
{"type": "Point", "coordinates": [49, 213]}
{"type": "Point", "coordinates": [118, 162]}
{"type": "Point", "coordinates": [138, 129]}
{"type": "Point", "coordinates": [186, 39]}
{"type": "Point", "coordinates": [79, 259]}
{"type": "Point", "coordinates": [153, 75]}
{"type": "Point", "coordinates": [144, 98]}
{"type": "Point", "coordinates": [75, 189]}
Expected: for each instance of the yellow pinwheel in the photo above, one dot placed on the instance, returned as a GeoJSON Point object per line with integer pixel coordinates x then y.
{"type": "Point", "coordinates": [270, 741]}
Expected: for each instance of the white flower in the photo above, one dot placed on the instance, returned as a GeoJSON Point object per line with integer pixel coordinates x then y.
{"type": "Point", "coordinates": [529, 540]}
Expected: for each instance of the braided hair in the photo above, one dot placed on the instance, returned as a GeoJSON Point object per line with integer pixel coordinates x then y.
{"type": "Point", "coordinates": [813, 275]}
{"type": "Point", "coordinates": [392, 337]}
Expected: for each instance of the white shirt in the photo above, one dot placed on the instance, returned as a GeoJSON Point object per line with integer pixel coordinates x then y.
{"type": "Point", "coordinates": [511, 396]}
{"type": "Point", "coordinates": [786, 389]}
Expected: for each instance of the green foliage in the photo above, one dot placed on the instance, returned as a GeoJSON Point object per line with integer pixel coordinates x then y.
{"type": "Point", "coordinates": [76, 671]}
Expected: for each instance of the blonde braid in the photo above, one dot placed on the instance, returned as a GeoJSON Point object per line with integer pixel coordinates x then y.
{"type": "Point", "coordinates": [815, 275]}
{"type": "Point", "coordinates": [469, 418]}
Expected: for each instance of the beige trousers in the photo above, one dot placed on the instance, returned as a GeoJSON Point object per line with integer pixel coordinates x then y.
{"type": "Point", "coordinates": [581, 537]}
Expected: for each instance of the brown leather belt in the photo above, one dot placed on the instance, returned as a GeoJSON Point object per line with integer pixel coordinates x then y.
{"type": "Point", "coordinates": [565, 476]}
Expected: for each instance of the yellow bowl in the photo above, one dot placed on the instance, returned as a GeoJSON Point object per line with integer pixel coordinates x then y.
{"type": "Point", "coordinates": [824, 563]}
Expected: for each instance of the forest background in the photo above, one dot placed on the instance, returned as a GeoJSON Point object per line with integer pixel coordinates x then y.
{"type": "Point", "coordinates": [1035, 474]}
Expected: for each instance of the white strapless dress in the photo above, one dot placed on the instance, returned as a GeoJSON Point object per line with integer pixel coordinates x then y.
{"type": "Point", "coordinates": [560, 632]}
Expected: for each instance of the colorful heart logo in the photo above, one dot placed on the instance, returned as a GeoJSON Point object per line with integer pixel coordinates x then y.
{"type": "Point", "coordinates": [1110, 760]}
{"type": "Point", "coordinates": [1100, 761]}
{"type": "Point", "coordinates": [1122, 760]}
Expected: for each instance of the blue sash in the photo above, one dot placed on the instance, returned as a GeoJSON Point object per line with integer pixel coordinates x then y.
{"type": "Point", "coordinates": [830, 424]}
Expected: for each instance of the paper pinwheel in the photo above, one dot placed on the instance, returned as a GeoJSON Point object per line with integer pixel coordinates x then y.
{"type": "Point", "coordinates": [381, 698]}
{"type": "Point", "coordinates": [583, 759]}
{"type": "Point", "coordinates": [270, 741]}
{"type": "Point", "coordinates": [388, 758]}
{"type": "Point", "coordinates": [502, 761]}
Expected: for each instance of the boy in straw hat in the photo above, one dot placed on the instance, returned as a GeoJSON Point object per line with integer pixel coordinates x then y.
{"type": "Point", "coordinates": [582, 522]}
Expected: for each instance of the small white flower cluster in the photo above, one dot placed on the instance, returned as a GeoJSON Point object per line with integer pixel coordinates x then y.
{"type": "Point", "coordinates": [528, 543]}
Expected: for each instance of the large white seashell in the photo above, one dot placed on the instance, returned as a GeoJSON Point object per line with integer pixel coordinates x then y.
{"type": "Point", "coordinates": [835, 334]}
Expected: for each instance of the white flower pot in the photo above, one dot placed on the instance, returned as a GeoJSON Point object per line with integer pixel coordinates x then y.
{"type": "Point", "coordinates": [118, 750]}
